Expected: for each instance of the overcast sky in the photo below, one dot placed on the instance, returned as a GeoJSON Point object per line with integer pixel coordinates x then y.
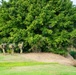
{"type": "Point", "coordinates": [74, 1]}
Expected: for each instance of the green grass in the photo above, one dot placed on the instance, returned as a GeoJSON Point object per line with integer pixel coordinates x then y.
{"type": "Point", "coordinates": [1, 57]}
{"type": "Point", "coordinates": [32, 67]}
{"type": "Point", "coordinates": [35, 68]}
{"type": "Point", "coordinates": [14, 64]}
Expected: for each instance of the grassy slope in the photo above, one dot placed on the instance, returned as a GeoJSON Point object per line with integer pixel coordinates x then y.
{"type": "Point", "coordinates": [36, 69]}
{"type": "Point", "coordinates": [33, 68]}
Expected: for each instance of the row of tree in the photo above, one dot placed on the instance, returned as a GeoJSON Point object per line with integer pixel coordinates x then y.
{"type": "Point", "coordinates": [11, 48]}
{"type": "Point", "coordinates": [43, 25]}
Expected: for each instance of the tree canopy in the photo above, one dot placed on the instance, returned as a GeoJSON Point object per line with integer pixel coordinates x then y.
{"type": "Point", "coordinates": [43, 25]}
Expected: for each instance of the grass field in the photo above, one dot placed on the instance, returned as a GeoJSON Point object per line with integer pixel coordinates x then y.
{"type": "Point", "coordinates": [33, 68]}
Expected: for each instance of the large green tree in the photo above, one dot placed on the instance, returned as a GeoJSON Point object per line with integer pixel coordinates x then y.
{"type": "Point", "coordinates": [43, 25]}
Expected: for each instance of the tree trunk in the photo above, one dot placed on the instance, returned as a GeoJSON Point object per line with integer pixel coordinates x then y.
{"type": "Point", "coordinates": [21, 51]}
{"type": "Point", "coordinates": [3, 51]}
{"type": "Point", "coordinates": [12, 52]}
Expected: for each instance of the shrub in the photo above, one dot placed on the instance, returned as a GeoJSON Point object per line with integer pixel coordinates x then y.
{"type": "Point", "coordinates": [73, 54]}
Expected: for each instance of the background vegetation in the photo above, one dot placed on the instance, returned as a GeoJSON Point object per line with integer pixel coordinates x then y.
{"type": "Point", "coordinates": [43, 25]}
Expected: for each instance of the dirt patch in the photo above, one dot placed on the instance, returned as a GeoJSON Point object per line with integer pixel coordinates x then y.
{"type": "Point", "coordinates": [49, 57]}
{"type": "Point", "coordinates": [39, 57]}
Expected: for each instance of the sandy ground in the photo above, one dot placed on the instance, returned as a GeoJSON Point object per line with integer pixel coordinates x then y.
{"type": "Point", "coordinates": [40, 57]}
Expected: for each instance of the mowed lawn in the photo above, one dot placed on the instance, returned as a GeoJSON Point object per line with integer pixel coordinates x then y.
{"type": "Point", "coordinates": [33, 68]}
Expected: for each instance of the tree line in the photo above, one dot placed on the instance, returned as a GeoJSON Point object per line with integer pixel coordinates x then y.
{"type": "Point", "coordinates": [43, 25]}
{"type": "Point", "coordinates": [11, 48]}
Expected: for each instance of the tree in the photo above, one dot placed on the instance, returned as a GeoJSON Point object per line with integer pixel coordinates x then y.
{"type": "Point", "coordinates": [3, 47]}
{"type": "Point", "coordinates": [43, 25]}
{"type": "Point", "coordinates": [20, 45]}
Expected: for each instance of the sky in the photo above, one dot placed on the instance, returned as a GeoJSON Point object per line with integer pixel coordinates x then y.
{"type": "Point", "coordinates": [74, 2]}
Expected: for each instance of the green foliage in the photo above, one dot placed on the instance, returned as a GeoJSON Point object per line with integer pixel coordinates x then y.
{"type": "Point", "coordinates": [73, 54]}
{"type": "Point", "coordinates": [8, 51]}
{"type": "Point", "coordinates": [43, 25]}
